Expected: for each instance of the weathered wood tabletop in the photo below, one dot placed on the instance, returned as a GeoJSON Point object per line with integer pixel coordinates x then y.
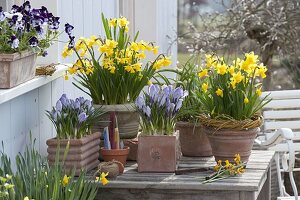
{"type": "Point", "coordinates": [253, 184]}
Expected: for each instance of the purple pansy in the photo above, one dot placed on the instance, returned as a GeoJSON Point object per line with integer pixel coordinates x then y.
{"type": "Point", "coordinates": [14, 41]}
{"type": "Point", "coordinates": [54, 23]}
{"type": "Point", "coordinates": [2, 16]}
{"type": "Point", "coordinates": [26, 6]}
{"type": "Point", "coordinates": [33, 42]}
{"type": "Point", "coordinates": [44, 53]}
{"type": "Point", "coordinates": [68, 28]}
{"type": "Point", "coordinates": [71, 42]}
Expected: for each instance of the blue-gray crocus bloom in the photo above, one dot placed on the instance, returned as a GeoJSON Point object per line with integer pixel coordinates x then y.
{"type": "Point", "coordinates": [147, 111]}
{"type": "Point", "coordinates": [178, 105]}
{"type": "Point", "coordinates": [178, 93]}
{"type": "Point", "coordinates": [77, 104]}
{"type": "Point", "coordinates": [88, 103]}
{"type": "Point", "coordinates": [153, 92]}
{"type": "Point", "coordinates": [140, 102]}
{"type": "Point", "coordinates": [58, 106]}
{"type": "Point", "coordinates": [54, 115]}
{"type": "Point", "coordinates": [14, 42]}
{"type": "Point", "coordinates": [82, 117]}
{"type": "Point", "coordinates": [64, 100]}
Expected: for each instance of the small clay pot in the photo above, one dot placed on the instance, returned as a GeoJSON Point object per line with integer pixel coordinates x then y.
{"type": "Point", "coordinates": [115, 154]}
{"type": "Point", "coordinates": [226, 143]}
{"type": "Point", "coordinates": [193, 141]}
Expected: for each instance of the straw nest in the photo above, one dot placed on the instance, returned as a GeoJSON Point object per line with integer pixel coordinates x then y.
{"type": "Point", "coordinates": [223, 122]}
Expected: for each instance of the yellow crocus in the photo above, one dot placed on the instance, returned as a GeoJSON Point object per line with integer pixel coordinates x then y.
{"type": "Point", "coordinates": [123, 22]}
{"type": "Point", "coordinates": [203, 73]}
{"type": "Point", "coordinates": [103, 178]}
{"type": "Point", "coordinates": [113, 22]}
{"type": "Point", "coordinates": [246, 100]}
{"type": "Point", "coordinates": [204, 87]}
{"type": "Point", "coordinates": [65, 180]}
{"type": "Point", "coordinates": [219, 92]}
{"type": "Point", "coordinates": [221, 69]}
{"type": "Point", "coordinates": [258, 91]}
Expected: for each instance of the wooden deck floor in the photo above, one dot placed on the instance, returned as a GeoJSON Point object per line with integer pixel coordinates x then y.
{"type": "Point", "coordinates": [134, 185]}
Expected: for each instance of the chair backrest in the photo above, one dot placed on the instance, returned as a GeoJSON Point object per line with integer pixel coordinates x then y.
{"type": "Point", "coordinates": [282, 112]}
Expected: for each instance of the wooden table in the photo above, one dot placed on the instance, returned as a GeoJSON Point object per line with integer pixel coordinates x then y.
{"type": "Point", "coordinates": [255, 183]}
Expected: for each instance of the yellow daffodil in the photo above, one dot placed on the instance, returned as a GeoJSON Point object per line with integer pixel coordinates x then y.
{"type": "Point", "coordinates": [166, 61]}
{"type": "Point", "coordinates": [142, 45]}
{"type": "Point", "coordinates": [221, 69]}
{"type": "Point", "coordinates": [258, 91]}
{"type": "Point", "coordinates": [219, 92]}
{"type": "Point", "coordinates": [137, 67]}
{"type": "Point", "coordinates": [103, 178]}
{"type": "Point", "coordinates": [141, 55]}
{"type": "Point", "coordinates": [111, 43]}
{"type": "Point", "coordinates": [209, 60]}
{"type": "Point", "coordinates": [237, 158]}
{"type": "Point", "coordinates": [66, 77]}
{"type": "Point", "coordinates": [251, 58]}
{"type": "Point", "coordinates": [123, 22]}
{"type": "Point", "coordinates": [231, 70]}
{"type": "Point", "coordinates": [155, 50]}
{"type": "Point", "coordinates": [65, 180]}
{"type": "Point", "coordinates": [72, 70]}
{"type": "Point", "coordinates": [203, 73]}
{"type": "Point", "coordinates": [261, 71]}
{"type": "Point", "coordinates": [237, 77]}
{"type": "Point", "coordinates": [67, 52]}
{"type": "Point", "coordinates": [113, 22]}
{"type": "Point", "coordinates": [246, 100]}
{"type": "Point", "coordinates": [112, 69]}
{"type": "Point", "coordinates": [134, 46]}
{"type": "Point", "coordinates": [204, 87]}
{"type": "Point", "coordinates": [129, 69]}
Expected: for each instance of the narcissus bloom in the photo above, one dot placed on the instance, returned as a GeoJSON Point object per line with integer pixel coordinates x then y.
{"type": "Point", "coordinates": [219, 92]}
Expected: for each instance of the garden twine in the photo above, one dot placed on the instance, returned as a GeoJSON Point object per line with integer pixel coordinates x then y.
{"type": "Point", "coordinates": [112, 167]}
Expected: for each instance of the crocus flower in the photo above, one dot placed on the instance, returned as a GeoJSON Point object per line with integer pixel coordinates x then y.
{"type": "Point", "coordinates": [178, 93]}
{"type": "Point", "coordinates": [82, 117]}
{"type": "Point", "coordinates": [64, 100]}
{"type": "Point", "coordinates": [54, 115]}
{"type": "Point", "coordinates": [77, 104]}
{"type": "Point", "coordinates": [33, 42]}
{"type": "Point", "coordinates": [178, 105]}
{"type": "Point", "coordinates": [140, 102]}
{"type": "Point", "coordinates": [68, 28]}
{"type": "Point", "coordinates": [88, 103]}
{"type": "Point", "coordinates": [153, 92]}
{"type": "Point", "coordinates": [147, 111]}
{"type": "Point", "coordinates": [14, 41]}
{"type": "Point", "coordinates": [58, 106]}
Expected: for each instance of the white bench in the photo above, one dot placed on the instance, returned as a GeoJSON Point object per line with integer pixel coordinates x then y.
{"type": "Point", "coordinates": [282, 112]}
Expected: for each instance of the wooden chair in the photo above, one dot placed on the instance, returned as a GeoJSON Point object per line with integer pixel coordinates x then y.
{"type": "Point", "coordinates": [281, 113]}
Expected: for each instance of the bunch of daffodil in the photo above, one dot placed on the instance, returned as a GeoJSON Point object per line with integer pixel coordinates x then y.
{"type": "Point", "coordinates": [232, 90]}
{"type": "Point", "coordinates": [227, 169]}
{"type": "Point", "coordinates": [113, 69]}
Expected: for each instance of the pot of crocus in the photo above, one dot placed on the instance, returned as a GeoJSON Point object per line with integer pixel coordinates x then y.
{"type": "Point", "coordinates": [193, 141]}
{"type": "Point", "coordinates": [77, 146]}
{"type": "Point", "coordinates": [24, 33]}
{"type": "Point", "coordinates": [114, 149]}
{"type": "Point", "coordinates": [231, 99]}
{"type": "Point", "coordinates": [111, 72]}
{"type": "Point", "coordinates": [158, 145]}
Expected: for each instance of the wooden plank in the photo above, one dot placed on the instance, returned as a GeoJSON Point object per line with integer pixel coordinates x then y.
{"type": "Point", "coordinates": [296, 133]}
{"type": "Point", "coordinates": [282, 114]}
{"type": "Point", "coordinates": [285, 103]}
{"type": "Point", "coordinates": [273, 125]}
{"type": "Point", "coordinates": [282, 94]}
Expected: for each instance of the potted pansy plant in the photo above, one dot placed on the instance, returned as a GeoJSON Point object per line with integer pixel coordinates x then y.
{"type": "Point", "coordinates": [73, 120]}
{"type": "Point", "coordinates": [25, 32]}
{"type": "Point", "coordinates": [231, 101]}
{"type": "Point", "coordinates": [158, 142]}
{"type": "Point", "coordinates": [112, 70]}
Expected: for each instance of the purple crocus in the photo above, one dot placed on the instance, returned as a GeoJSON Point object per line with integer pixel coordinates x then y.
{"type": "Point", "coordinates": [54, 115]}
{"type": "Point", "coordinates": [178, 105]}
{"type": "Point", "coordinates": [68, 28]}
{"type": "Point", "coordinates": [178, 93]}
{"type": "Point", "coordinates": [33, 42]}
{"type": "Point", "coordinates": [140, 102]}
{"type": "Point", "coordinates": [88, 103]}
{"type": "Point", "coordinates": [14, 41]}
{"type": "Point", "coordinates": [77, 104]}
{"type": "Point", "coordinates": [147, 111]}
{"type": "Point", "coordinates": [64, 100]}
{"type": "Point", "coordinates": [58, 106]}
{"type": "Point", "coordinates": [153, 92]}
{"type": "Point", "coordinates": [82, 117]}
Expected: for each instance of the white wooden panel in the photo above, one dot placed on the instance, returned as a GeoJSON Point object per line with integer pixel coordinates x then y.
{"type": "Point", "coordinates": [296, 137]}
{"type": "Point", "coordinates": [5, 131]}
{"type": "Point", "coordinates": [96, 19]}
{"type": "Point", "coordinates": [45, 103]}
{"type": "Point", "coordinates": [283, 94]}
{"type": "Point", "coordinates": [282, 124]}
{"type": "Point", "coordinates": [88, 15]}
{"type": "Point", "coordinates": [278, 104]}
{"type": "Point", "coordinates": [283, 147]}
{"type": "Point", "coordinates": [282, 114]}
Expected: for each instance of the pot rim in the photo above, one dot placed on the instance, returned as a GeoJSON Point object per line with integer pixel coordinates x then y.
{"type": "Point", "coordinates": [82, 140]}
{"type": "Point", "coordinates": [16, 56]}
{"type": "Point", "coordinates": [126, 107]}
{"type": "Point", "coordinates": [126, 148]}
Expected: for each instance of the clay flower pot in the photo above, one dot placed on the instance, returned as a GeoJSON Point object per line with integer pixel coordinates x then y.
{"type": "Point", "coordinates": [193, 141]}
{"type": "Point", "coordinates": [115, 154]}
{"type": "Point", "coordinates": [16, 68]}
{"type": "Point", "coordinates": [128, 119]}
{"type": "Point", "coordinates": [157, 153]}
{"type": "Point", "coordinates": [226, 143]}
{"type": "Point", "coordinates": [83, 153]}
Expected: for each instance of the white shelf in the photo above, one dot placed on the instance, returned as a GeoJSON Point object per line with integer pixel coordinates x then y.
{"type": "Point", "coordinates": [8, 94]}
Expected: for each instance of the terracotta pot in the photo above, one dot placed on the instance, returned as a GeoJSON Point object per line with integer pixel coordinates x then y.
{"type": "Point", "coordinates": [115, 154]}
{"type": "Point", "coordinates": [133, 145]}
{"type": "Point", "coordinates": [193, 142]}
{"type": "Point", "coordinates": [157, 153]}
{"type": "Point", "coordinates": [127, 116]}
{"type": "Point", "coordinates": [226, 143]}
{"type": "Point", "coordinates": [83, 153]}
{"type": "Point", "coordinates": [16, 68]}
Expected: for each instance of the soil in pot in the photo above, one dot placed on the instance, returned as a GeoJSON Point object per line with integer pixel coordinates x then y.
{"type": "Point", "coordinates": [192, 141]}
{"type": "Point", "coordinates": [127, 116]}
{"type": "Point", "coordinates": [226, 143]}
